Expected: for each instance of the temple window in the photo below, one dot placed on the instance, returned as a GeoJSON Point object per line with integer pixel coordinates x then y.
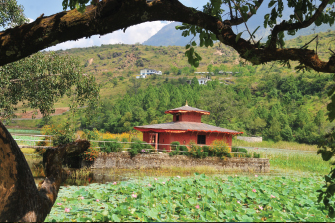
{"type": "Point", "coordinates": [201, 139]}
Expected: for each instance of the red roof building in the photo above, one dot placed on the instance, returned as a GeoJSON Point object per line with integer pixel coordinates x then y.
{"type": "Point", "coordinates": [186, 127]}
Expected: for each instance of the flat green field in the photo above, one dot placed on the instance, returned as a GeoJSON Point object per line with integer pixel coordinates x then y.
{"type": "Point", "coordinates": [26, 140]}
{"type": "Point", "coordinates": [278, 145]}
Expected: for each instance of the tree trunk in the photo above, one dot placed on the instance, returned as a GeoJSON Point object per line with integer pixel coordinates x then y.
{"type": "Point", "coordinates": [20, 199]}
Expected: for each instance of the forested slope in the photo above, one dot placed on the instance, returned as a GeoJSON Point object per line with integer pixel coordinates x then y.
{"type": "Point", "coordinates": [276, 102]}
{"type": "Point", "coordinates": [290, 108]}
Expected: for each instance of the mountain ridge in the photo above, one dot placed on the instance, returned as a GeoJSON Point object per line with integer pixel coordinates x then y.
{"type": "Point", "coordinates": [169, 36]}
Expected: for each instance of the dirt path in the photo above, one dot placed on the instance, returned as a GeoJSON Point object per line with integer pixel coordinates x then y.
{"type": "Point", "coordinates": [29, 114]}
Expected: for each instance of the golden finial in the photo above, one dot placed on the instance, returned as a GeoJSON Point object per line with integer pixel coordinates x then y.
{"type": "Point", "coordinates": [186, 103]}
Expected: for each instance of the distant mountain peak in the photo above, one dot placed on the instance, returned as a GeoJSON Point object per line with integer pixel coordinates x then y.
{"type": "Point", "coordinates": [169, 36]}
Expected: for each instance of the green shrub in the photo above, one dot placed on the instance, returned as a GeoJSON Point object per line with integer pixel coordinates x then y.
{"type": "Point", "coordinates": [178, 149]}
{"type": "Point", "coordinates": [256, 155]}
{"type": "Point", "coordinates": [196, 151]}
{"type": "Point", "coordinates": [111, 146]}
{"type": "Point", "coordinates": [139, 147]}
{"type": "Point", "coordinates": [124, 144]}
{"type": "Point", "coordinates": [239, 154]}
{"type": "Point", "coordinates": [175, 145]}
{"type": "Point", "coordinates": [91, 135]}
{"type": "Point", "coordinates": [62, 134]}
{"type": "Point", "coordinates": [174, 148]}
{"type": "Point", "coordinates": [241, 150]}
{"type": "Point", "coordinates": [219, 148]}
{"type": "Point", "coordinates": [183, 150]}
{"type": "Point", "coordinates": [206, 149]}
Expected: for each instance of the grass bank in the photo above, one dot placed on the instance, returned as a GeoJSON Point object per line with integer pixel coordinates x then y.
{"type": "Point", "coordinates": [277, 145]}
{"type": "Point", "coordinates": [302, 162]}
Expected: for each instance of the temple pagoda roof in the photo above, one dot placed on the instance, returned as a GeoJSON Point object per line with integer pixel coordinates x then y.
{"type": "Point", "coordinates": [185, 109]}
{"type": "Point", "coordinates": [180, 127]}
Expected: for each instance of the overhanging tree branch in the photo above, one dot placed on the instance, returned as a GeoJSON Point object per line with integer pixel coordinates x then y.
{"type": "Point", "coordinates": [238, 21]}
{"type": "Point", "coordinates": [284, 26]}
{"type": "Point", "coordinates": [111, 15]}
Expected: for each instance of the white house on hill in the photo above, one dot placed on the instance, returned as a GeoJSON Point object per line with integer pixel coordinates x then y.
{"type": "Point", "coordinates": [203, 80]}
{"type": "Point", "coordinates": [146, 71]}
{"type": "Point", "coordinates": [150, 71]}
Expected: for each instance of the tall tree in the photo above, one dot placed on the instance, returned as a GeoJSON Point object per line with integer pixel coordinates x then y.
{"type": "Point", "coordinates": [320, 120]}
{"type": "Point", "coordinates": [39, 80]}
{"type": "Point", "coordinates": [11, 14]}
{"type": "Point", "coordinates": [222, 105]}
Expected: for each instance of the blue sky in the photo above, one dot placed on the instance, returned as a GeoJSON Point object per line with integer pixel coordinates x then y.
{"type": "Point", "coordinates": [34, 8]}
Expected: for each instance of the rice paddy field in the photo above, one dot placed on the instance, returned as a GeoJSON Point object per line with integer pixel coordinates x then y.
{"type": "Point", "coordinates": [27, 140]}
{"type": "Point", "coordinates": [287, 193]}
{"type": "Point", "coordinates": [25, 131]}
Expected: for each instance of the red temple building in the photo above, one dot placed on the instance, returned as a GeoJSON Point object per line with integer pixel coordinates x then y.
{"type": "Point", "coordinates": [186, 126]}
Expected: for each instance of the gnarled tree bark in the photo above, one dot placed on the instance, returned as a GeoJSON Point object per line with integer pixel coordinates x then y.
{"type": "Point", "coordinates": [20, 198]}
{"type": "Point", "coordinates": [111, 15]}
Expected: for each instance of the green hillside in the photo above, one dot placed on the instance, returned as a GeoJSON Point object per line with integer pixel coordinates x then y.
{"type": "Point", "coordinates": [109, 61]}
{"type": "Point", "coordinates": [121, 59]}
{"type": "Point", "coordinates": [125, 61]}
{"type": "Point", "coordinates": [113, 61]}
{"type": "Point", "coordinates": [256, 96]}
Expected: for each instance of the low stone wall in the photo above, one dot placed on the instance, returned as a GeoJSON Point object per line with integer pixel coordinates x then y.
{"type": "Point", "coordinates": [123, 160]}
{"type": "Point", "coordinates": [250, 139]}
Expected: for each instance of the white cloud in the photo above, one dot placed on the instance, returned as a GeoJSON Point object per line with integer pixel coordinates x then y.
{"type": "Point", "coordinates": [133, 34]}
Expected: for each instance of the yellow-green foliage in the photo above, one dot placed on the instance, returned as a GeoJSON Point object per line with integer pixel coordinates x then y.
{"type": "Point", "coordinates": [219, 147]}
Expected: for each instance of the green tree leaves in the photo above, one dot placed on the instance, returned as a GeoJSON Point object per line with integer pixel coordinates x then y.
{"type": "Point", "coordinates": [193, 57]}
{"type": "Point", "coordinates": [11, 14]}
{"type": "Point", "coordinates": [80, 5]}
{"type": "Point", "coordinates": [40, 80]}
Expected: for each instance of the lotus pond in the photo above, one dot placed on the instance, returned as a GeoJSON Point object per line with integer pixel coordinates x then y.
{"type": "Point", "coordinates": [197, 198]}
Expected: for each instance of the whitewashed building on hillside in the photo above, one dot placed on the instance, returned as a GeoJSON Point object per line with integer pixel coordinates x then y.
{"type": "Point", "coordinates": [203, 80]}
{"type": "Point", "coordinates": [150, 72]}
{"type": "Point", "coordinates": [145, 72]}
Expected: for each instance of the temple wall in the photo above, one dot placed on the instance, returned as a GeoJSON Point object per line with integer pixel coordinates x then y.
{"type": "Point", "coordinates": [123, 160]}
{"type": "Point", "coordinates": [187, 137]}
{"type": "Point", "coordinates": [250, 139]}
{"type": "Point", "coordinates": [190, 117]}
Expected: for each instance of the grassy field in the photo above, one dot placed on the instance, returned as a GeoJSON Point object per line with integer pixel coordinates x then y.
{"type": "Point", "coordinates": [26, 140]}
{"type": "Point", "coordinates": [288, 158]}
{"type": "Point", "coordinates": [301, 162]}
{"type": "Point", "coordinates": [24, 131]}
{"type": "Point", "coordinates": [278, 145]}
{"type": "Point", "coordinates": [28, 150]}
